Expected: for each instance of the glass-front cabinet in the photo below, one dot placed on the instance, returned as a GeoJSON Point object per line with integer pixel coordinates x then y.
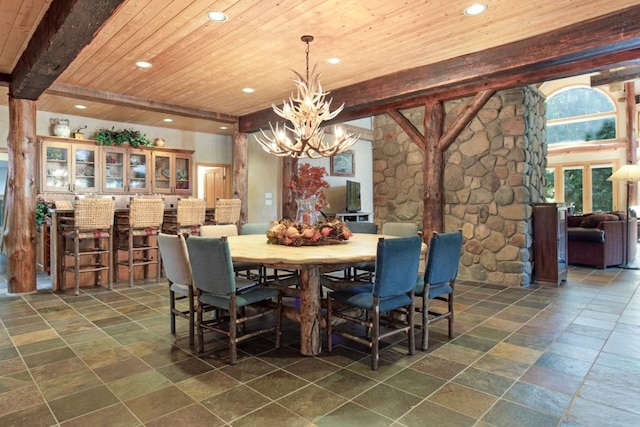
{"type": "Point", "coordinates": [172, 173]}
{"type": "Point", "coordinates": [82, 166]}
{"type": "Point", "coordinates": [125, 170]}
{"type": "Point", "coordinates": [70, 167]}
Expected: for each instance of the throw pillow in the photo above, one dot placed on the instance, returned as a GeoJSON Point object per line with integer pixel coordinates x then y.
{"type": "Point", "coordinates": [593, 220]}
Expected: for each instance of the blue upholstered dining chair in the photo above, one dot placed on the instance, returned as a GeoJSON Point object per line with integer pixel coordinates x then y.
{"type": "Point", "coordinates": [438, 282]}
{"type": "Point", "coordinates": [173, 250]}
{"type": "Point", "coordinates": [397, 263]}
{"type": "Point", "coordinates": [364, 270]}
{"type": "Point", "coordinates": [218, 287]}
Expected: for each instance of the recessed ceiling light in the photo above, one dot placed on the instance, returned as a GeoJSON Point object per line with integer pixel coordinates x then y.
{"type": "Point", "coordinates": [333, 61]}
{"type": "Point", "coordinates": [248, 90]}
{"type": "Point", "coordinates": [167, 120]}
{"type": "Point", "coordinates": [475, 9]}
{"type": "Point", "coordinates": [144, 64]}
{"type": "Point", "coordinates": [81, 107]}
{"type": "Point", "coordinates": [224, 127]}
{"type": "Point", "coordinates": [216, 16]}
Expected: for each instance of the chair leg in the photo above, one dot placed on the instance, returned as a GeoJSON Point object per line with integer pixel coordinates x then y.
{"type": "Point", "coordinates": [425, 321]}
{"type": "Point", "coordinates": [76, 269]}
{"type": "Point", "coordinates": [191, 320]}
{"type": "Point", "coordinates": [279, 321]}
{"type": "Point", "coordinates": [110, 264]}
{"type": "Point", "coordinates": [130, 243]}
{"type": "Point", "coordinates": [450, 319]}
{"type": "Point", "coordinates": [200, 329]}
{"type": "Point", "coordinates": [172, 310]}
{"type": "Point", "coordinates": [375, 338]}
{"type": "Point", "coordinates": [233, 334]}
{"type": "Point", "coordinates": [329, 322]}
{"type": "Point", "coordinates": [411, 321]}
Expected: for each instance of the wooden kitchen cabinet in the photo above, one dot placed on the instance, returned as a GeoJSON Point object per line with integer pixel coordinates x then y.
{"type": "Point", "coordinates": [172, 172]}
{"type": "Point", "coordinates": [550, 242]}
{"type": "Point", "coordinates": [69, 166]}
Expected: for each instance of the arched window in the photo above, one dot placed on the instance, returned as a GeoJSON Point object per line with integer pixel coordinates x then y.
{"type": "Point", "coordinates": [578, 114]}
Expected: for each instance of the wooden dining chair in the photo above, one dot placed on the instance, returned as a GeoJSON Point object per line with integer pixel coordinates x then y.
{"type": "Point", "coordinates": [173, 250]}
{"type": "Point", "coordinates": [397, 262]}
{"type": "Point", "coordinates": [190, 215]}
{"type": "Point", "coordinates": [228, 211]}
{"type": "Point", "coordinates": [87, 240]}
{"type": "Point", "coordinates": [138, 238]}
{"type": "Point", "coordinates": [438, 282]}
{"type": "Point", "coordinates": [218, 287]}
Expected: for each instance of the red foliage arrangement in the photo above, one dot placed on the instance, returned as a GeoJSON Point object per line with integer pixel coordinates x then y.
{"type": "Point", "coordinates": [309, 182]}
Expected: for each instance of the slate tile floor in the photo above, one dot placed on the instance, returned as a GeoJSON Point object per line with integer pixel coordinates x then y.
{"type": "Point", "coordinates": [540, 356]}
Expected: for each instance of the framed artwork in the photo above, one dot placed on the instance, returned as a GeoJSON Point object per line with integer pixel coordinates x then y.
{"type": "Point", "coordinates": [343, 164]}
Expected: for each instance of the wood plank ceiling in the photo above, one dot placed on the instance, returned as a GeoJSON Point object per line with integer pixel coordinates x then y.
{"type": "Point", "coordinates": [200, 67]}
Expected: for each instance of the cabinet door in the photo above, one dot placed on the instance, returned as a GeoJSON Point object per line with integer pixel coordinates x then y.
{"type": "Point", "coordinates": [138, 171]}
{"type": "Point", "coordinates": [56, 161]}
{"type": "Point", "coordinates": [86, 169]}
{"type": "Point", "coordinates": [183, 174]}
{"type": "Point", "coordinates": [115, 172]}
{"type": "Point", "coordinates": [162, 176]}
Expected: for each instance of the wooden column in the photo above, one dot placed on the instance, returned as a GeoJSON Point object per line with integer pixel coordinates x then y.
{"type": "Point", "coordinates": [289, 167]}
{"type": "Point", "coordinates": [20, 197]}
{"type": "Point", "coordinates": [241, 171]}
{"type": "Point", "coordinates": [632, 136]}
{"type": "Point", "coordinates": [433, 201]}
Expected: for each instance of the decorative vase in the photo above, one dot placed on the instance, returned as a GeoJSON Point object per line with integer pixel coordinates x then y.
{"type": "Point", "coordinates": [307, 212]}
{"type": "Point", "coordinates": [159, 142]}
{"type": "Point", "coordinates": [61, 127]}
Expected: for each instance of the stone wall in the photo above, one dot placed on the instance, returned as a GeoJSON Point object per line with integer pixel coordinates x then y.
{"type": "Point", "coordinates": [493, 174]}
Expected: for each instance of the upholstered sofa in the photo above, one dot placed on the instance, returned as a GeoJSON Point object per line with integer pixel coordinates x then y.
{"type": "Point", "coordinates": [598, 239]}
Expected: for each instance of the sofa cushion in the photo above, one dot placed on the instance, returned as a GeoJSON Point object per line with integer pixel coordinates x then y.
{"type": "Point", "coordinates": [574, 220]}
{"type": "Point", "coordinates": [585, 234]}
{"type": "Point", "coordinates": [620, 214]}
{"type": "Point", "coordinates": [594, 219]}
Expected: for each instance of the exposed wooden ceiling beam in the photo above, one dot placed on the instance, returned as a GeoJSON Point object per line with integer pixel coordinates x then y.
{"type": "Point", "coordinates": [66, 28]}
{"type": "Point", "coordinates": [559, 53]}
{"type": "Point", "coordinates": [617, 76]}
{"type": "Point", "coordinates": [142, 104]}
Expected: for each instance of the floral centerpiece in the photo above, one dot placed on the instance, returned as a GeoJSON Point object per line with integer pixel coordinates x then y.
{"type": "Point", "coordinates": [294, 233]}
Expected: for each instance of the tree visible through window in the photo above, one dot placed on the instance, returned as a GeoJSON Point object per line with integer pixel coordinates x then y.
{"type": "Point", "coordinates": [580, 114]}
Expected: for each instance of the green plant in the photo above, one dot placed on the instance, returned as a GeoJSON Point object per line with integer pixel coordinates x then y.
{"type": "Point", "coordinates": [111, 136]}
{"type": "Point", "coordinates": [42, 212]}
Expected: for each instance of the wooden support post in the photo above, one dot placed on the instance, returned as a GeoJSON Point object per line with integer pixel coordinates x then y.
{"type": "Point", "coordinates": [433, 199]}
{"type": "Point", "coordinates": [632, 136]}
{"type": "Point", "coordinates": [289, 168]}
{"type": "Point", "coordinates": [241, 171]}
{"type": "Point", "coordinates": [20, 198]}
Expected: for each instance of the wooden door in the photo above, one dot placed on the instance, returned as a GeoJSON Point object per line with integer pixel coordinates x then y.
{"type": "Point", "coordinates": [215, 186]}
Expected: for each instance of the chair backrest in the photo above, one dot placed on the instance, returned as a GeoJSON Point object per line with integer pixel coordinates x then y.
{"type": "Point", "coordinates": [175, 259]}
{"type": "Point", "coordinates": [218, 230]}
{"type": "Point", "coordinates": [94, 213]}
{"type": "Point", "coordinates": [401, 229]}
{"type": "Point", "coordinates": [146, 212]}
{"type": "Point", "coordinates": [227, 211]}
{"type": "Point", "coordinates": [255, 228]}
{"type": "Point", "coordinates": [191, 211]}
{"type": "Point", "coordinates": [443, 258]}
{"type": "Point", "coordinates": [363, 227]}
{"type": "Point", "coordinates": [211, 265]}
{"type": "Point", "coordinates": [397, 263]}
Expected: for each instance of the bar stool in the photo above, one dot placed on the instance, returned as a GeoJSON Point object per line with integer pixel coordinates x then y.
{"type": "Point", "coordinates": [227, 211]}
{"type": "Point", "coordinates": [139, 239]}
{"type": "Point", "coordinates": [91, 225]}
{"type": "Point", "coordinates": [190, 215]}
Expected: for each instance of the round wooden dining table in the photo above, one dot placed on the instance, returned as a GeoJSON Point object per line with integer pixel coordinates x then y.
{"type": "Point", "coordinates": [310, 261]}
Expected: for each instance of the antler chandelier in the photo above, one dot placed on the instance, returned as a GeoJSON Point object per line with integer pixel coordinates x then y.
{"type": "Point", "coordinates": [306, 112]}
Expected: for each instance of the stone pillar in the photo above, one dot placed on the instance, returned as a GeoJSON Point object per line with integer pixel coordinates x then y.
{"type": "Point", "coordinates": [493, 174]}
